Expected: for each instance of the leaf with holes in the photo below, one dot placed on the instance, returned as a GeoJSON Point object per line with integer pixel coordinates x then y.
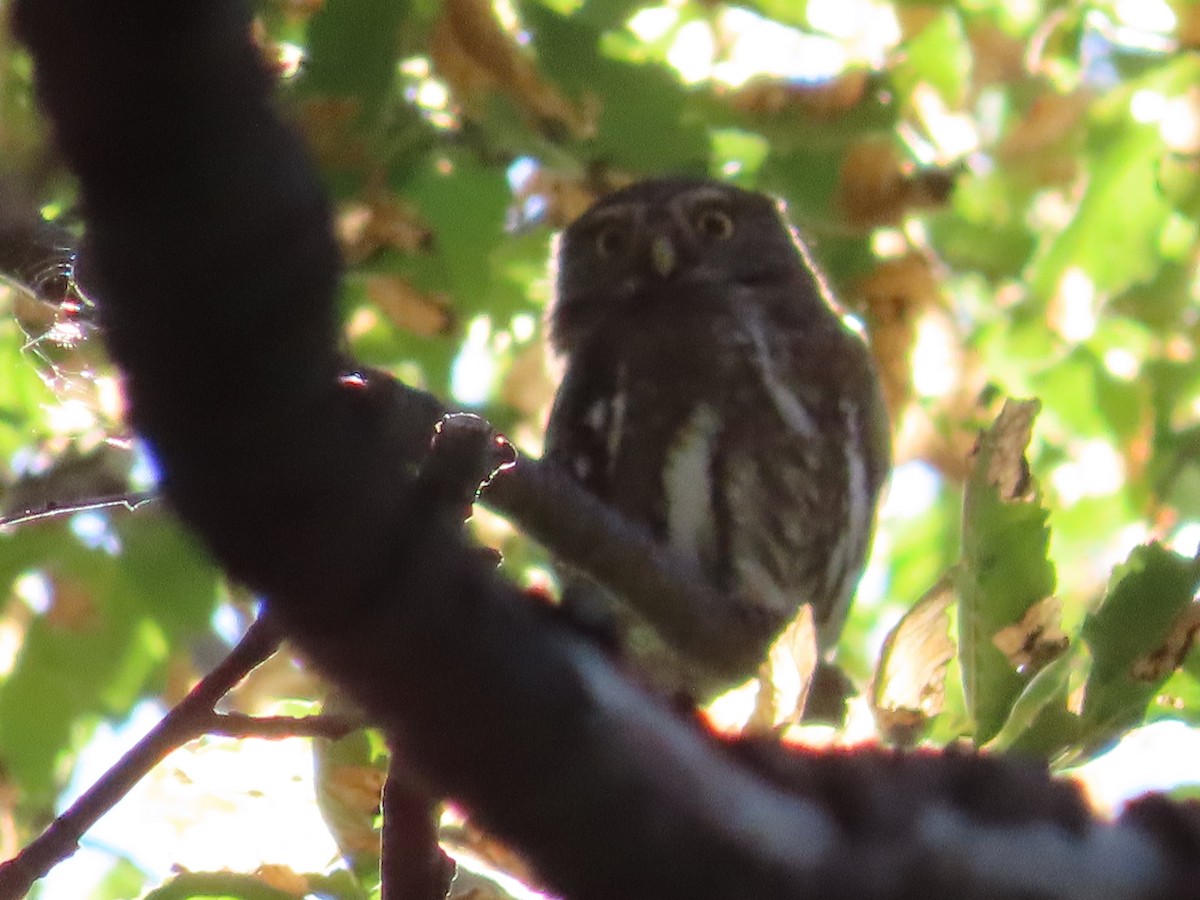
{"type": "Point", "coordinates": [1004, 571]}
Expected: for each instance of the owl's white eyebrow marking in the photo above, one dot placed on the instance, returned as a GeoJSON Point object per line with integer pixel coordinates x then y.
{"type": "Point", "coordinates": [703, 195]}
{"type": "Point", "coordinates": [682, 205]}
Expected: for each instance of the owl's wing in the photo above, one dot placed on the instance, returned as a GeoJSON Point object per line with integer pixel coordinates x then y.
{"type": "Point", "coordinates": [579, 431]}
{"type": "Point", "coordinates": [803, 468]}
{"type": "Point", "coordinates": [577, 440]}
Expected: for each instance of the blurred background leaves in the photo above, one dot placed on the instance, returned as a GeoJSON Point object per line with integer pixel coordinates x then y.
{"type": "Point", "coordinates": [1004, 194]}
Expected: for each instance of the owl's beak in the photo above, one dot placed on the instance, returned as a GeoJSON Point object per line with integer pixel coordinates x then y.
{"type": "Point", "coordinates": [662, 255]}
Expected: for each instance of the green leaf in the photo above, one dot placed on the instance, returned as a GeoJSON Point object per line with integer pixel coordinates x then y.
{"type": "Point", "coordinates": [1178, 699]}
{"type": "Point", "coordinates": [642, 124]}
{"type": "Point", "coordinates": [23, 396]}
{"type": "Point", "coordinates": [123, 880]}
{"type": "Point", "coordinates": [1138, 637]}
{"type": "Point", "coordinates": [349, 776]}
{"type": "Point", "coordinates": [25, 548]}
{"type": "Point", "coordinates": [1039, 722]}
{"type": "Point", "coordinates": [1114, 235]}
{"type": "Point", "coordinates": [939, 55]}
{"type": "Point", "coordinates": [218, 886]}
{"type": "Point", "coordinates": [1004, 571]}
{"type": "Point", "coordinates": [997, 250]}
{"type": "Point", "coordinates": [465, 203]}
{"type": "Point", "coordinates": [350, 90]}
{"type": "Point", "coordinates": [165, 575]}
{"type": "Point", "coordinates": [806, 178]}
{"type": "Point", "coordinates": [64, 681]}
{"type": "Point", "coordinates": [608, 14]}
{"type": "Point", "coordinates": [352, 49]}
{"type": "Point", "coordinates": [787, 12]}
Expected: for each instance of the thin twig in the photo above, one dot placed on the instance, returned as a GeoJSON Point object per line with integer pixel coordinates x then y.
{"type": "Point", "coordinates": [131, 502]}
{"type": "Point", "coordinates": [186, 721]}
{"type": "Point", "coordinates": [240, 725]}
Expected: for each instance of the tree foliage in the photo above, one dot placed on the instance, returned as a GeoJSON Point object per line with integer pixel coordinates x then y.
{"type": "Point", "coordinates": [1005, 196]}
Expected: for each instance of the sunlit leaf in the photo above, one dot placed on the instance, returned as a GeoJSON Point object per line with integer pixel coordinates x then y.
{"type": "Point", "coordinates": [1039, 722]}
{"type": "Point", "coordinates": [1138, 636]}
{"type": "Point", "coordinates": [164, 574]}
{"type": "Point", "coordinates": [1004, 570]}
{"type": "Point", "coordinates": [909, 684]}
{"type": "Point", "coordinates": [642, 124]}
{"type": "Point", "coordinates": [938, 56]}
{"type": "Point", "coordinates": [219, 886]}
{"type": "Point", "coordinates": [350, 773]}
{"type": "Point", "coordinates": [1113, 236]}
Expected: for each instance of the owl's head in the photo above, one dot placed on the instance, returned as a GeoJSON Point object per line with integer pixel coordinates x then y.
{"type": "Point", "coordinates": [679, 242]}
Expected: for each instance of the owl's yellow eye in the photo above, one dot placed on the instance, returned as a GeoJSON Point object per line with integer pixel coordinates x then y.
{"type": "Point", "coordinates": [714, 224]}
{"type": "Point", "coordinates": [610, 241]}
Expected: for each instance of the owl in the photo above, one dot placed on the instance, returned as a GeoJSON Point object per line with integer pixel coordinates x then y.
{"type": "Point", "coordinates": [713, 393]}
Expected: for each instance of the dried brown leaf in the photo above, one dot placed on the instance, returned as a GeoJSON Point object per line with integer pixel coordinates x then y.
{"type": "Point", "coordinates": [1008, 469]}
{"type": "Point", "coordinates": [327, 124]}
{"type": "Point", "coordinates": [565, 197]}
{"type": "Point", "coordinates": [528, 387]}
{"type": "Point", "coordinates": [475, 55]}
{"type": "Point", "coordinates": [283, 878]}
{"type": "Point", "coordinates": [409, 309]}
{"type": "Point", "coordinates": [997, 57]}
{"type": "Point", "coordinates": [823, 101]}
{"type": "Point", "coordinates": [894, 295]}
{"type": "Point", "coordinates": [785, 675]}
{"type": "Point", "coordinates": [382, 223]}
{"type": "Point", "coordinates": [1170, 654]}
{"type": "Point", "coordinates": [72, 607]}
{"type": "Point", "coordinates": [872, 188]}
{"type": "Point", "coordinates": [1036, 639]}
{"type": "Point", "coordinates": [909, 684]}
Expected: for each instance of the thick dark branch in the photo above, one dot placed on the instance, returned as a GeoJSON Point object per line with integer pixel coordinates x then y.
{"type": "Point", "coordinates": [186, 721]}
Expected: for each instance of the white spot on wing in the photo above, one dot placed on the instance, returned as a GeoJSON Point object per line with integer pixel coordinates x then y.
{"type": "Point", "coordinates": [597, 415]}
{"type": "Point", "coordinates": [687, 485]}
{"type": "Point", "coordinates": [616, 427]}
{"type": "Point", "coordinates": [582, 467]}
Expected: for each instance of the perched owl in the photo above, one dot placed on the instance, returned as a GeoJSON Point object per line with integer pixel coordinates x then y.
{"type": "Point", "coordinates": [713, 393]}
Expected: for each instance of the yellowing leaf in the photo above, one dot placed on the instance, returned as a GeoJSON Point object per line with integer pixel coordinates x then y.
{"type": "Point", "coordinates": [418, 312]}
{"type": "Point", "coordinates": [910, 680]}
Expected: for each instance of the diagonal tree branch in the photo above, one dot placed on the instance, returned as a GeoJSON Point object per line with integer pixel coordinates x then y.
{"type": "Point", "coordinates": [189, 719]}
